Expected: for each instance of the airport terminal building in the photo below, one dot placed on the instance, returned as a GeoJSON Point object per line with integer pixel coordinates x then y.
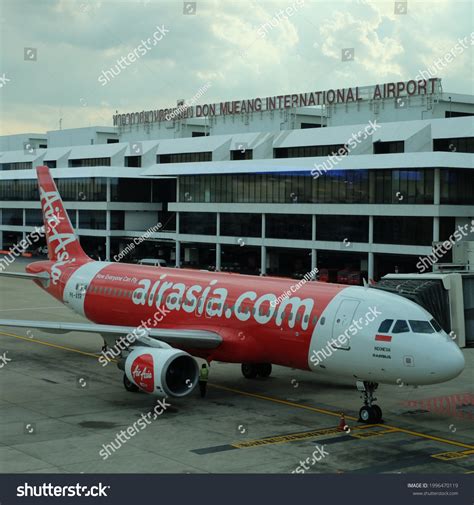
{"type": "Point", "coordinates": [356, 182]}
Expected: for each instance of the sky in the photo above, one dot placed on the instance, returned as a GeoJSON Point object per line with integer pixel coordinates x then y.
{"type": "Point", "coordinates": [54, 52]}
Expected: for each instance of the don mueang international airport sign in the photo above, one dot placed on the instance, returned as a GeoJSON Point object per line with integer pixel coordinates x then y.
{"type": "Point", "coordinates": [269, 103]}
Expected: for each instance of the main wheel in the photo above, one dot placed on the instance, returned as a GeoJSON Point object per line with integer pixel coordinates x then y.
{"type": "Point", "coordinates": [249, 370]}
{"type": "Point", "coordinates": [367, 414]}
{"type": "Point", "coordinates": [264, 369]}
{"type": "Point", "coordinates": [129, 385]}
{"type": "Point", "coordinates": [377, 413]}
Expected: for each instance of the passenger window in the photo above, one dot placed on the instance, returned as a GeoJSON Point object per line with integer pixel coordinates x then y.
{"type": "Point", "coordinates": [385, 326]}
{"type": "Point", "coordinates": [401, 326]}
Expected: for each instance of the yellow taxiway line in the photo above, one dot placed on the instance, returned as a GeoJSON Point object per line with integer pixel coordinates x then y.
{"type": "Point", "coordinates": [267, 398]}
{"type": "Point", "coordinates": [336, 414]}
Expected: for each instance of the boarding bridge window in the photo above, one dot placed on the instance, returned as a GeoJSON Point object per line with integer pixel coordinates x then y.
{"type": "Point", "coordinates": [397, 146]}
{"type": "Point", "coordinates": [304, 126]}
{"type": "Point", "coordinates": [133, 161]}
{"type": "Point", "coordinates": [385, 326]}
{"type": "Point", "coordinates": [421, 327]}
{"type": "Point", "coordinates": [401, 326]}
{"type": "Point", "coordinates": [454, 145]}
{"type": "Point", "coordinates": [20, 165]}
{"type": "Point", "coordinates": [90, 162]}
{"type": "Point", "coordinates": [241, 154]}
{"type": "Point", "coordinates": [307, 151]}
{"type": "Point", "coordinates": [449, 114]}
{"type": "Point", "coordinates": [184, 157]}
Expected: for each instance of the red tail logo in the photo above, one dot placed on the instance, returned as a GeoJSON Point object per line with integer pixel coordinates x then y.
{"type": "Point", "coordinates": [63, 245]}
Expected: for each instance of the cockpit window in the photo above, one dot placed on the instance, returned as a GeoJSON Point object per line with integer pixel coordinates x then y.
{"type": "Point", "coordinates": [385, 326]}
{"type": "Point", "coordinates": [401, 326]}
{"type": "Point", "coordinates": [421, 327]}
{"type": "Point", "coordinates": [436, 325]}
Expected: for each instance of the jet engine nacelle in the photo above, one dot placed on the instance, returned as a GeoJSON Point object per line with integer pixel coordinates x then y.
{"type": "Point", "coordinates": [163, 372]}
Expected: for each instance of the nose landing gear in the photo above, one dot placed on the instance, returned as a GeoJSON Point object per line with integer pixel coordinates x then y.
{"type": "Point", "coordinates": [369, 412]}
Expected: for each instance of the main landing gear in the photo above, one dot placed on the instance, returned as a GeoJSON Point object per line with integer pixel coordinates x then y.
{"type": "Point", "coordinates": [252, 370]}
{"type": "Point", "coordinates": [369, 413]}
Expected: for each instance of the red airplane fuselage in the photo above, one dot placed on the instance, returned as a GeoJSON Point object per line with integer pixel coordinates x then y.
{"type": "Point", "coordinates": [256, 317]}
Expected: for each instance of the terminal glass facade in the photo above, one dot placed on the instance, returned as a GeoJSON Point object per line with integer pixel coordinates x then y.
{"type": "Point", "coordinates": [334, 186]}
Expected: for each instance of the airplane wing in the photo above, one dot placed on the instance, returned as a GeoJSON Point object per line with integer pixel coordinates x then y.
{"type": "Point", "coordinates": [196, 339]}
{"type": "Point", "coordinates": [23, 275]}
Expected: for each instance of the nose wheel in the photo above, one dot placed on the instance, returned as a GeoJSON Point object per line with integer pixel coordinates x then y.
{"type": "Point", "coordinates": [369, 412]}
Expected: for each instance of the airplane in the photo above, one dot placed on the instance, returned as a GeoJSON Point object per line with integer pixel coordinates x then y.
{"type": "Point", "coordinates": [156, 321]}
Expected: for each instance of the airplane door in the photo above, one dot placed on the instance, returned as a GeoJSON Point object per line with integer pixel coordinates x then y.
{"type": "Point", "coordinates": [343, 319]}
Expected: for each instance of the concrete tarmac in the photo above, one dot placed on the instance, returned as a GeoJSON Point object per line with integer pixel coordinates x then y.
{"type": "Point", "coordinates": [59, 408]}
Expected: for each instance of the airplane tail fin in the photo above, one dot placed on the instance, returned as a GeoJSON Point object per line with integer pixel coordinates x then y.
{"type": "Point", "coordinates": [61, 240]}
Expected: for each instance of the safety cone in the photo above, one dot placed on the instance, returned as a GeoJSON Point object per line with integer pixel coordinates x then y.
{"type": "Point", "coordinates": [342, 423]}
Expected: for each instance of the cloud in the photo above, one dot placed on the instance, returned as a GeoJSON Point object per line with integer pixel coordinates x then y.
{"type": "Point", "coordinates": [245, 49]}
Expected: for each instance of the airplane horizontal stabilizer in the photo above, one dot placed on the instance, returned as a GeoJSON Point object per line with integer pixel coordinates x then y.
{"type": "Point", "coordinates": [23, 275]}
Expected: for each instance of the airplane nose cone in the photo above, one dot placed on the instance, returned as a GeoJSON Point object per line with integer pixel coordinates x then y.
{"type": "Point", "coordinates": [453, 361]}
